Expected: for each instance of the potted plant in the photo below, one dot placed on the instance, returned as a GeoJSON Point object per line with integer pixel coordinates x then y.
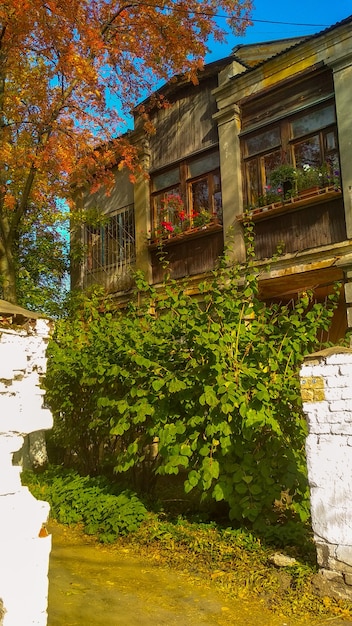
{"type": "Point", "coordinates": [172, 218]}
{"type": "Point", "coordinates": [317, 176]}
{"type": "Point", "coordinates": [287, 182]}
{"type": "Point", "coordinates": [283, 180]}
{"type": "Point", "coordinates": [172, 208]}
{"type": "Point", "coordinates": [201, 218]}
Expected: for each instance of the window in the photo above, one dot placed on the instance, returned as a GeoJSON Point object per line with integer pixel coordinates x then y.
{"type": "Point", "coordinates": [314, 138]}
{"type": "Point", "coordinates": [205, 194]}
{"type": "Point", "coordinates": [180, 194]}
{"type": "Point", "coordinates": [111, 246]}
{"type": "Point", "coordinates": [305, 139]}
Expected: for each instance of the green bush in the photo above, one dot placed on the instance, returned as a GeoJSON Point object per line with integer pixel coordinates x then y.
{"type": "Point", "coordinates": [214, 378]}
{"type": "Point", "coordinates": [80, 499]}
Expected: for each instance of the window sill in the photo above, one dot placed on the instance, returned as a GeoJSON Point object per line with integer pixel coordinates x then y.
{"type": "Point", "coordinates": [304, 199]}
{"type": "Point", "coordinates": [192, 233]}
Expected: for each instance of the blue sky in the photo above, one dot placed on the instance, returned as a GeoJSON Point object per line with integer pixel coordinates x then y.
{"type": "Point", "coordinates": [277, 20]}
{"type": "Point", "coordinates": [274, 19]}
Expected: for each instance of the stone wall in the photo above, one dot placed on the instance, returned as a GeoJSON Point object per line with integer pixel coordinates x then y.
{"type": "Point", "coordinates": [326, 386]}
{"type": "Point", "coordinates": [24, 544]}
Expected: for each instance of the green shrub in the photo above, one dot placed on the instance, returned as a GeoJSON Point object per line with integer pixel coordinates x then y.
{"type": "Point", "coordinates": [80, 499]}
{"type": "Point", "coordinates": [214, 378]}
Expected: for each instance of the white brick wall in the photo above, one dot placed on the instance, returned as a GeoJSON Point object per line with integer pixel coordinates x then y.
{"type": "Point", "coordinates": [24, 555]}
{"type": "Point", "coordinates": [326, 386]}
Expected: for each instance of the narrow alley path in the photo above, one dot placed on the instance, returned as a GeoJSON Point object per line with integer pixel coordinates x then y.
{"type": "Point", "coordinates": [95, 585]}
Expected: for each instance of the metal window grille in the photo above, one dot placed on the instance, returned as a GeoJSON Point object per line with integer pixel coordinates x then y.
{"type": "Point", "coordinates": [111, 248]}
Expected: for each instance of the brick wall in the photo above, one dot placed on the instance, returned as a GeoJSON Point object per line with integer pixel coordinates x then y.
{"type": "Point", "coordinates": [326, 387]}
{"type": "Point", "coordinates": [24, 554]}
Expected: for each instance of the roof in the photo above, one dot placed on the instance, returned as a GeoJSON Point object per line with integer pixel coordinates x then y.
{"type": "Point", "coordinates": [291, 42]}
{"type": "Point", "coordinates": [181, 81]}
{"type": "Point", "coordinates": [7, 308]}
{"type": "Point", "coordinates": [253, 54]}
{"type": "Point", "coordinates": [248, 55]}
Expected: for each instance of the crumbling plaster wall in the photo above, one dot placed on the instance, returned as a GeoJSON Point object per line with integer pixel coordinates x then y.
{"type": "Point", "coordinates": [326, 386]}
{"type": "Point", "coordinates": [24, 544]}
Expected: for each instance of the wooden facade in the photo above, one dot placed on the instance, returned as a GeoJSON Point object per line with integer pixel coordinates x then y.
{"type": "Point", "coordinates": [189, 255]}
{"type": "Point", "coordinates": [185, 127]}
{"type": "Point", "coordinates": [291, 94]}
{"type": "Point", "coordinates": [315, 225]}
{"type": "Point", "coordinates": [247, 113]}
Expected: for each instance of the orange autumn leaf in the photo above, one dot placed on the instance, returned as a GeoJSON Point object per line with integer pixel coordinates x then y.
{"type": "Point", "coordinates": [9, 201]}
{"type": "Point", "coordinates": [69, 73]}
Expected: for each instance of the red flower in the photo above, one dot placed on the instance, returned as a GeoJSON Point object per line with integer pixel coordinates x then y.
{"type": "Point", "coordinates": [168, 226]}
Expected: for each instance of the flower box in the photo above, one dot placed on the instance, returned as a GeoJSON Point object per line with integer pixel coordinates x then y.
{"type": "Point", "coordinates": [305, 198]}
{"type": "Point", "coordinates": [195, 231]}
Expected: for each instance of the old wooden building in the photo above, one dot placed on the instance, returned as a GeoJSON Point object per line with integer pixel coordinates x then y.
{"type": "Point", "coordinates": [265, 136]}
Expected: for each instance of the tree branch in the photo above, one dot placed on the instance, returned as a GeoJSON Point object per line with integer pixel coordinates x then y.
{"type": "Point", "coordinates": [106, 27]}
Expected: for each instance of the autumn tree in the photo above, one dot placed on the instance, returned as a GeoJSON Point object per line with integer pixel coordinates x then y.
{"type": "Point", "coordinates": [69, 72]}
{"type": "Point", "coordinates": [42, 263]}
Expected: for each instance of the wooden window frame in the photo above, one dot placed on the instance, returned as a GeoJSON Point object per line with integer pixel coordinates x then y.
{"type": "Point", "coordinates": [285, 151]}
{"type": "Point", "coordinates": [184, 189]}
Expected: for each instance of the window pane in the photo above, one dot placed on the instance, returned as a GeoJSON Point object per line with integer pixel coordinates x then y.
{"type": "Point", "coordinates": [166, 179]}
{"type": "Point", "coordinates": [330, 141]}
{"type": "Point", "coordinates": [217, 196]}
{"type": "Point", "coordinates": [167, 208]}
{"type": "Point", "coordinates": [203, 165]}
{"type": "Point", "coordinates": [313, 121]}
{"type": "Point", "coordinates": [252, 181]}
{"type": "Point", "coordinates": [308, 152]}
{"type": "Point", "coordinates": [121, 238]}
{"type": "Point", "coordinates": [263, 141]}
{"type": "Point", "coordinates": [271, 162]}
{"type": "Point", "coordinates": [110, 242]}
{"type": "Point", "coordinates": [200, 195]}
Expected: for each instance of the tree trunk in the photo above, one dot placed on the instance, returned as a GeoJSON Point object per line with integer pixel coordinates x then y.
{"type": "Point", "coordinates": [8, 276]}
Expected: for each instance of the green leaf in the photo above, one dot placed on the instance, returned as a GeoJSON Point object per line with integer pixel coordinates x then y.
{"type": "Point", "coordinates": [211, 466]}
{"type": "Point", "coordinates": [120, 428]}
{"type": "Point", "coordinates": [208, 397]}
{"type": "Point", "coordinates": [241, 488]}
{"type": "Point", "coordinates": [176, 385]}
{"type": "Point", "coordinates": [185, 450]}
{"type": "Point", "coordinates": [218, 493]}
{"type": "Point", "coordinates": [204, 450]}
{"type": "Point", "coordinates": [193, 478]}
{"type": "Point", "coordinates": [158, 384]}
{"type": "Point", "coordinates": [243, 409]}
{"type": "Point", "coordinates": [255, 490]}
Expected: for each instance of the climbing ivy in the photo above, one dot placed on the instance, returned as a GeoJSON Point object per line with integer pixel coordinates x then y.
{"type": "Point", "coordinates": [213, 378]}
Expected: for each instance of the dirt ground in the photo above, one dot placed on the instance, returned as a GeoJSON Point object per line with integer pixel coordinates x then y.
{"type": "Point", "coordinates": [95, 585]}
